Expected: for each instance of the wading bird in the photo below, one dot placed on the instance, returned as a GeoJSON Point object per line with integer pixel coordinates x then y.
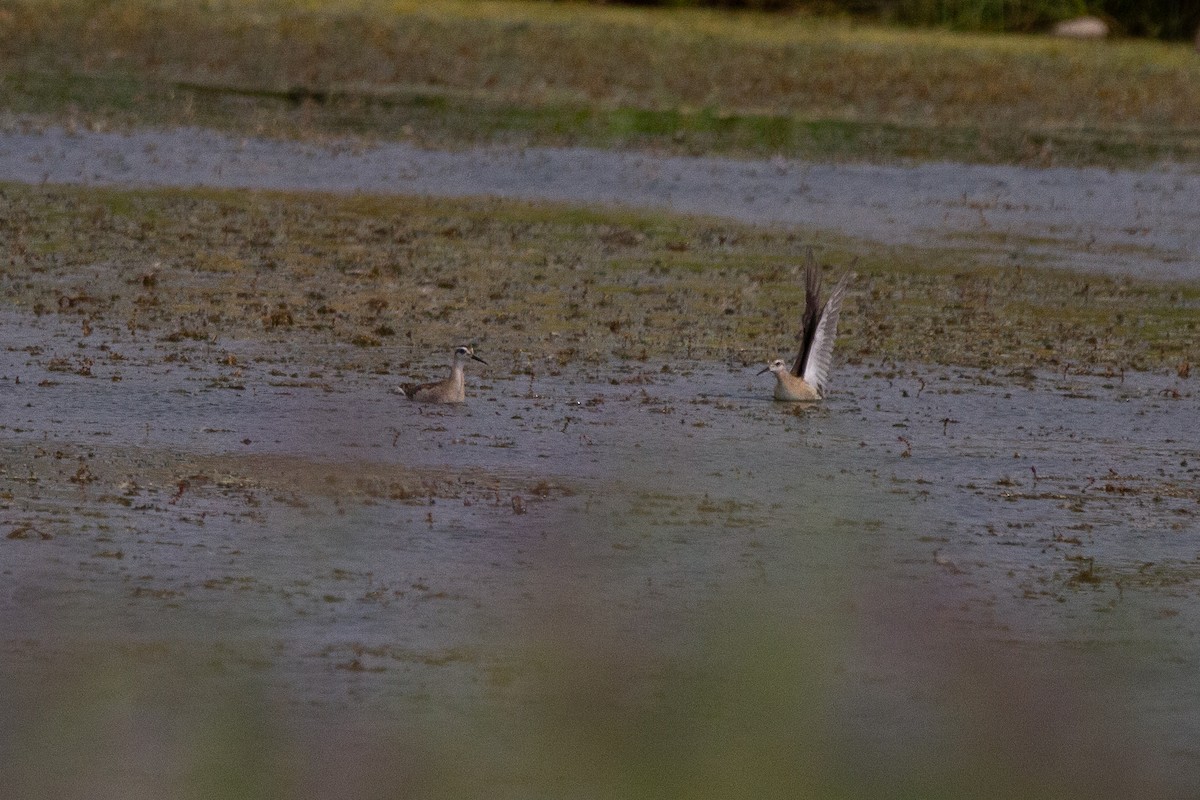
{"type": "Point", "coordinates": [447, 390]}
{"type": "Point", "coordinates": [809, 374]}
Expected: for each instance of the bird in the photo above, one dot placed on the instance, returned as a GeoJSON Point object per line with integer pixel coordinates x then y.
{"type": "Point", "coordinates": [447, 390]}
{"type": "Point", "coordinates": [808, 377]}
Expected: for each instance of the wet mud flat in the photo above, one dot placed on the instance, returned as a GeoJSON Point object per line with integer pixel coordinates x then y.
{"type": "Point", "coordinates": [348, 554]}
{"type": "Point", "coordinates": [1122, 222]}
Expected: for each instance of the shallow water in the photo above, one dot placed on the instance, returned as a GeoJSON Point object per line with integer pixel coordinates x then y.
{"type": "Point", "coordinates": [1019, 545]}
{"type": "Point", "coordinates": [355, 551]}
{"type": "Point", "coordinates": [1144, 223]}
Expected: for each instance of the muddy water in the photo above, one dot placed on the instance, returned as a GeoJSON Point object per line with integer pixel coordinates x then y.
{"type": "Point", "coordinates": [275, 520]}
{"type": "Point", "coordinates": [1123, 222]}
{"type": "Point", "coordinates": [354, 551]}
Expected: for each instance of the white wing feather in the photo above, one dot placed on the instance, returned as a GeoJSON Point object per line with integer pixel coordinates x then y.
{"type": "Point", "coordinates": [820, 357]}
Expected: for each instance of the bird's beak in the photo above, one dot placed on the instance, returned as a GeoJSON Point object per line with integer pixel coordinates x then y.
{"type": "Point", "coordinates": [764, 369]}
{"type": "Point", "coordinates": [477, 358]}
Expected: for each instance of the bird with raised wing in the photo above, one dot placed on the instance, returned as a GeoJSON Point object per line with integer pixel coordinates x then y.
{"type": "Point", "coordinates": [447, 390]}
{"type": "Point", "coordinates": [808, 376]}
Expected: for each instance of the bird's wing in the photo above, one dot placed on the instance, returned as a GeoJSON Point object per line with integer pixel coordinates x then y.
{"type": "Point", "coordinates": [812, 312]}
{"type": "Point", "coordinates": [410, 390]}
{"type": "Point", "coordinates": [820, 355]}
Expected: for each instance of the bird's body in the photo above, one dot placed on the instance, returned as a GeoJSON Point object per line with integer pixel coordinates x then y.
{"type": "Point", "coordinates": [447, 390]}
{"type": "Point", "coordinates": [808, 376]}
{"type": "Point", "coordinates": [789, 387]}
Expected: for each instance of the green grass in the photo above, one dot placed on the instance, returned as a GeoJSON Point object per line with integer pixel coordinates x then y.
{"type": "Point", "coordinates": [457, 73]}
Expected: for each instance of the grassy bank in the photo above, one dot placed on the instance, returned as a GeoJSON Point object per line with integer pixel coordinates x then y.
{"type": "Point", "coordinates": [400, 277]}
{"type": "Point", "coordinates": [454, 73]}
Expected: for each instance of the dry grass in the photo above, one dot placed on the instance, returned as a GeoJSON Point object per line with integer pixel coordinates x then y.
{"type": "Point", "coordinates": [456, 72]}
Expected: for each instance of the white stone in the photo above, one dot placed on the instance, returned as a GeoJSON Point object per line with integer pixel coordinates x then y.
{"type": "Point", "coordinates": [1082, 28]}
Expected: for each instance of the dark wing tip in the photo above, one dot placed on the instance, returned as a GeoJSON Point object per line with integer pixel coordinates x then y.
{"type": "Point", "coordinates": [812, 309]}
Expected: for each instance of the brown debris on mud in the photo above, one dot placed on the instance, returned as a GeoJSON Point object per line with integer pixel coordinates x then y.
{"type": "Point", "coordinates": [400, 277]}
